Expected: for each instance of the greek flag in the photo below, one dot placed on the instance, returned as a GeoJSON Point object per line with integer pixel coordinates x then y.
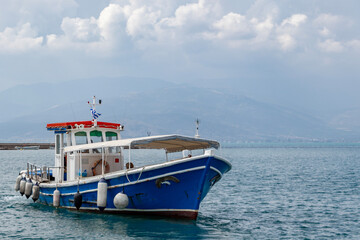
{"type": "Point", "coordinates": [94, 113]}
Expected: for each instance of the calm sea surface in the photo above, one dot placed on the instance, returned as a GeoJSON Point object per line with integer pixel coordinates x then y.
{"type": "Point", "coordinates": [271, 193]}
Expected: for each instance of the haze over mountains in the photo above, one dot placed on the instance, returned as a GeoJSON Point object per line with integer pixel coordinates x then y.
{"type": "Point", "coordinates": [161, 107]}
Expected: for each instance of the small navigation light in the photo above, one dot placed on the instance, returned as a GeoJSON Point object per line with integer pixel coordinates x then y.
{"type": "Point", "coordinates": [197, 128]}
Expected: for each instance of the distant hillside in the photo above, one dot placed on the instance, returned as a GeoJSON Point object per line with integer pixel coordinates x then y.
{"type": "Point", "coordinates": [348, 120]}
{"type": "Point", "coordinates": [156, 106]}
{"type": "Point", "coordinates": [25, 100]}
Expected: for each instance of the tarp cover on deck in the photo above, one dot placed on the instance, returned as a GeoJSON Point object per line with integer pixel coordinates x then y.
{"type": "Point", "coordinates": [171, 143]}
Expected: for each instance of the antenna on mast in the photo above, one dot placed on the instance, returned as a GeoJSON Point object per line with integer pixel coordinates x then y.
{"type": "Point", "coordinates": [197, 128]}
{"type": "Point", "coordinates": [94, 114]}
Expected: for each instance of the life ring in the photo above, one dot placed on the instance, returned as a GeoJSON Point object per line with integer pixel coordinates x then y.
{"type": "Point", "coordinates": [128, 166]}
{"type": "Point", "coordinates": [79, 126]}
{"type": "Point", "coordinates": [96, 163]}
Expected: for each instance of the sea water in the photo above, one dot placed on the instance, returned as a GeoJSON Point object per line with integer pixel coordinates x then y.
{"type": "Point", "coordinates": [270, 193]}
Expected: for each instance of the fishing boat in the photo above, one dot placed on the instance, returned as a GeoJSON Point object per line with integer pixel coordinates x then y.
{"type": "Point", "coordinates": [95, 170]}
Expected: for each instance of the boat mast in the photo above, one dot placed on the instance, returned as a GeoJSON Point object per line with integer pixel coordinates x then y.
{"type": "Point", "coordinates": [94, 114]}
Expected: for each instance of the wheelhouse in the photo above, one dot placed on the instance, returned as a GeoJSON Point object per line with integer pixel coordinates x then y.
{"type": "Point", "coordinates": [85, 163]}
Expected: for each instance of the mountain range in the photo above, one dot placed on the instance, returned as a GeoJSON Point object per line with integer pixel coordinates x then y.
{"type": "Point", "coordinates": [153, 106]}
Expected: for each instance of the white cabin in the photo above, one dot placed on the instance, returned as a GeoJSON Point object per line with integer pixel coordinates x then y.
{"type": "Point", "coordinates": [86, 163]}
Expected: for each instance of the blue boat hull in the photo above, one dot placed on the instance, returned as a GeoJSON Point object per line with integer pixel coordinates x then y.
{"type": "Point", "coordinates": [173, 189]}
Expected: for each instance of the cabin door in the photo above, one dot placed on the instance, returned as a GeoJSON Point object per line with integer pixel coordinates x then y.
{"type": "Point", "coordinates": [59, 157]}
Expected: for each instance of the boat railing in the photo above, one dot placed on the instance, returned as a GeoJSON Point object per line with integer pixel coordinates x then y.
{"type": "Point", "coordinates": [40, 173]}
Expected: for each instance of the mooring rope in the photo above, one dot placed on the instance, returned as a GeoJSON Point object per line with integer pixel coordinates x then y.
{"type": "Point", "coordinates": [126, 174]}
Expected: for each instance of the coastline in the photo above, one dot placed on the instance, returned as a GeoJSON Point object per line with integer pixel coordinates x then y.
{"type": "Point", "coordinates": [11, 146]}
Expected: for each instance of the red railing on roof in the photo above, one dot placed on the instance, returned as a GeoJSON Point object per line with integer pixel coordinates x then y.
{"type": "Point", "coordinates": [86, 124]}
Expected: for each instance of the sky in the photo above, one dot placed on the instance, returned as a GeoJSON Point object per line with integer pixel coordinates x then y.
{"type": "Point", "coordinates": [306, 53]}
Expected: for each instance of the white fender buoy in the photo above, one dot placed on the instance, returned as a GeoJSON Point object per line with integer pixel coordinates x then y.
{"type": "Point", "coordinates": [121, 200]}
{"type": "Point", "coordinates": [56, 198]}
{"type": "Point", "coordinates": [28, 188]}
{"type": "Point", "coordinates": [22, 186]}
{"type": "Point", "coordinates": [17, 184]}
{"type": "Point", "coordinates": [102, 194]}
{"type": "Point", "coordinates": [35, 192]}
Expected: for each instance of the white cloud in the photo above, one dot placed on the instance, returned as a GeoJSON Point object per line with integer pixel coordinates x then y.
{"type": "Point", "coordinates": [295, 20]}
{"type": "Point", "coordinates": [146, 24]}
{"type": "Point", "coordinates": [189, 22]}
{"type": "Point", "coordinates": [263, 29]}
{"type": "Point", "coordinates": [330, 25]}
{"type": "Point", "coordinates": [42, 14]}
{"type": "Point", "coordinates": [242, 31]}
{"type": "Point", "coordinates": [95, 36]}
{"type": "Point", "coordinates": [19, 39]}
{"type": "Point", "coordinates": [331, 45]}
{"type": "Point", "coordinates": [325, 32]}
{"type": "Point", "coordinates": [142, 21]}
{"type": "Point", "coordinates": [289, 30]}
{"type": "Point", "coordinates": [239, 31]}
{"type": "Point", "coordinates": [189, 14]}
{"type": "Point", "coordinates": [328, 20]}
{"type": "Point", "coordinates": [286, 41]}
{"type": "Point", "coordinates": [232, 25]}
{"type": "Point", "coordinates": [78, 29]}
{"type": "Point", "coordinates": [112, 21]}
{"type": "Point", "coordinates": [182, 39]}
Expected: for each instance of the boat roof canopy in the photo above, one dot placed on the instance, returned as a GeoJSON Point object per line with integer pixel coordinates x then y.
{"type": "Point", "coordinates": [82, 124]}
{"type": "Point", "coordinates": [171, 143]}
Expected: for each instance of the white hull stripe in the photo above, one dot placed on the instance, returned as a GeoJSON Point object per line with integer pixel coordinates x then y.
{"type": "Point", "coordinates": [134, 182]}
{"type": "Point", "coordinates": [216, 170]}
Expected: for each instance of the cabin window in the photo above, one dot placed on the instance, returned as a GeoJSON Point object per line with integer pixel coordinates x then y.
{"type": "Point", "coordinates": [80, 138]}
{"type": "Point", "coordinates": [95, 137]}
{"type": "Point", "coordinates": [68, 140]}
{"type": "Point", "coordinates": [57, 143]}
{"type": "Point", "coordinates": [110, 136]}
